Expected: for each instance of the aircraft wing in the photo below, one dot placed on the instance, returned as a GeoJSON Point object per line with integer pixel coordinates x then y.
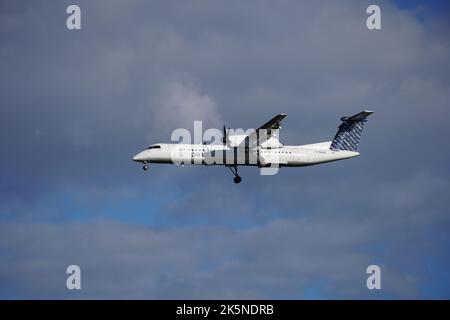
{"type": "Point", "coordinates": [267, 133]}
{"type": "Point", "coordinates": [274, 123]}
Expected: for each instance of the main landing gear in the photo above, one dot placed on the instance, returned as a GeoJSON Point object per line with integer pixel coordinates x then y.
{"type": "Point", "coordinates": [234, 171]}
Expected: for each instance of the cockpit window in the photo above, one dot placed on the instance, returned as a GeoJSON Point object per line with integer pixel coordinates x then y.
{"type": "Point", "coordinates": [154, 147]}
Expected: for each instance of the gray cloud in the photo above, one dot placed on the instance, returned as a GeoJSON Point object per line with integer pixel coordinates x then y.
{"type": "Point", "coordinates": [77, 105]}
{"type": "Point", "coordinates": [124, 261]}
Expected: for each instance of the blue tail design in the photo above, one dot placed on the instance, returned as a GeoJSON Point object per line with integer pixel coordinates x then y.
{"type": "Point", "coordinates": [349, 133]}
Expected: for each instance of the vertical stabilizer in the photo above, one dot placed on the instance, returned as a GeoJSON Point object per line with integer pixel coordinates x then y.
{"type": "Point", "coordinates": [349, 133]}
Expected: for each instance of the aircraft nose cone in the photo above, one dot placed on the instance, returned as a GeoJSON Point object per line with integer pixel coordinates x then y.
{"type": "Point", "coordinates": [138, 157]}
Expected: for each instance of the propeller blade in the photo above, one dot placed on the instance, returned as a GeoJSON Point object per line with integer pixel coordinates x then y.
{"type": "Point", "coordinates": [224, 138]}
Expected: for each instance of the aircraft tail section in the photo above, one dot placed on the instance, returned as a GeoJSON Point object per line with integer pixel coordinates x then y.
{"type": "Point", "coordinates": [349, 133]}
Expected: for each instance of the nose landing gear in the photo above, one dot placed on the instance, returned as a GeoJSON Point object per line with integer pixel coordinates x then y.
{"type": "Point", "coordinates": [234, 171]}
{"type": "Point", "coordinates": [145, 167]}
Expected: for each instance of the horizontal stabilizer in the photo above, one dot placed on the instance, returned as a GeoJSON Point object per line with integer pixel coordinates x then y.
{"type": "Point", "coordinates": [358, 117]}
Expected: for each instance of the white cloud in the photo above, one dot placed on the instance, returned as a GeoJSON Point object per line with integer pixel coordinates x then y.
{"type": "Point", "coordinates": [180, 104]}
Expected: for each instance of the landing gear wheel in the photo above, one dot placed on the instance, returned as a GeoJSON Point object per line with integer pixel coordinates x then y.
{"type": "Point", "coordinates": [234, 171]}
{"type": "Point", "coordinates": [145, 167]}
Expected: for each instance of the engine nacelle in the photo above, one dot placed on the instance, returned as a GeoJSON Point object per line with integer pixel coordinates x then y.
{"type": "Point", "coordinates": [271, 143]}
{"type": "Point", "coordinates": [236, 140]}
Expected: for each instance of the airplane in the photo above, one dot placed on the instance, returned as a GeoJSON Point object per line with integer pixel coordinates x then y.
{"type": "Point", "coordinates": [260, 148]}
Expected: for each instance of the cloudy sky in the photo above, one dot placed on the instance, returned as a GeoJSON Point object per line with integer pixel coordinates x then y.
{"type": "Point", "coordinates": [76, 105]}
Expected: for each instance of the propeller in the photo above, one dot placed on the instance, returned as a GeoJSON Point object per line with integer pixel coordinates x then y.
{"type": "Point", "coordinates": [224, 138]}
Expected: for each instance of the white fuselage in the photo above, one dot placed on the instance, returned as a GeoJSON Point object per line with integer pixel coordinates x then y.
{"type": "Point", "coordinates": [285, 156]}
